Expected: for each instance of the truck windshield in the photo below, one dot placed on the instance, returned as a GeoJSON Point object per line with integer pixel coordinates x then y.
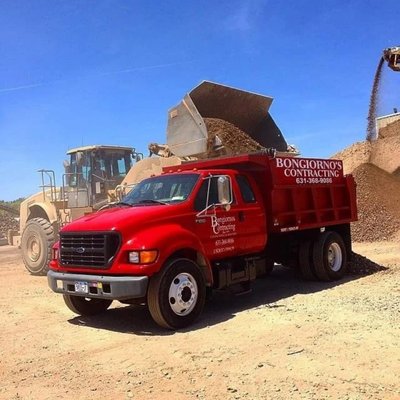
{"type": "Point", "coordinates": [165, 189]}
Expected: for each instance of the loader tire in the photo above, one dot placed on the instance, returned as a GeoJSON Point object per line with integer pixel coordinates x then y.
{"type": "Point", "coordinates": [329, 256]}
{"type": "Point", "coordinates": [305, 261]}
{"type": "Point", "coordinates": [176, 295]}
{"type": "Point", "coordinates": [36, 243]}
{"type": "Point", "coordinates": [86, 306]}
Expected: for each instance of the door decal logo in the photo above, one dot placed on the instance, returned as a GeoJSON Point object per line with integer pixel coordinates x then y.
{"type": "Point", "coordinates": [223, 225]}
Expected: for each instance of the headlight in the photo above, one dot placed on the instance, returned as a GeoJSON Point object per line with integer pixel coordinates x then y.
{"type": "Point", "coordinates": [134, 257]}
{"type": "Point", "coordinates": [54, 254]}
{"type": "Point", "coordinates": [142, 257]}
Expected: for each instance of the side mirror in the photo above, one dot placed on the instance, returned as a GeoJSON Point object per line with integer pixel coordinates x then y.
{"type": "Point", "coordinates": [224, 190]}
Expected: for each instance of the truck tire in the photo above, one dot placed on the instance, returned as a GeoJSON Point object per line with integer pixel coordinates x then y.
{"type": "Point", "coordinates": [329, 256]}
{"type": "Point", "coordinates": [306, 266]}
{"type": "Point", "coordinates": [36, 243]}
{"type": "Point", "coordinates": [176, 295]}
{"type": "Point", "coordinates": [86, 306]}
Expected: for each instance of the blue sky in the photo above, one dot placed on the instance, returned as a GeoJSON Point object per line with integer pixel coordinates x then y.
{"type": "Point", "coordinates": [106, 71]}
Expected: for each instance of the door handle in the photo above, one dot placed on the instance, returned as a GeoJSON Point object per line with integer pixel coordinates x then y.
{"type": "Point", "coordinates": [241, 216]}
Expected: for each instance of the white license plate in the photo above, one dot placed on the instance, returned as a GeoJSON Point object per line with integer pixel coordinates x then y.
{"type": "Point", "coordinates": [81, 287]}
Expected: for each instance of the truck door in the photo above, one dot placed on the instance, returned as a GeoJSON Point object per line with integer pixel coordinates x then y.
{"type": "Point", "coordinates": [252, 224]}
{"type": "Point", "coordinates": [216, 226]}
{"type": "Point", "coordinates": [234, 231]}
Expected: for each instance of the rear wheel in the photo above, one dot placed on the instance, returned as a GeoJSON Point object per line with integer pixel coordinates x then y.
{"type": "Point", "coordinates": [329, 256]}
{"type": "Point", "coordinates": [305, 261]}
{"type": "Point", "coordinates": [85, 305]}
{"type": "Point", "coordinates": [177, 294]}
{"type": "Point", "coordinates": [36, 243]}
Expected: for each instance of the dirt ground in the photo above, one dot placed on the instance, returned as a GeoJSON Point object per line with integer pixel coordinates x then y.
{"type": "Point", "coordinates": [287, 339]}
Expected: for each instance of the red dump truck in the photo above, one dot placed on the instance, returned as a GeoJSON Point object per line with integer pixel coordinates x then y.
{"type": "Point", "coordinates": [207, 225]}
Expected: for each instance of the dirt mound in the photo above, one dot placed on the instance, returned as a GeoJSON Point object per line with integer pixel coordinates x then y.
{"type": "Point", "coordinates": [378, 194]}
{"type": "Point", "coordinates": [360, 265]}
{"type": "Point", "coordinates": [234, 140]}
{"type": "Point", "coordinates": [354, 155]}
{"type": "Point", "coordinates": [7, 221]}
{"type": "Point", "coordinates": [385, 153]}
{"type": "Point", "coordinates": [392, 129]}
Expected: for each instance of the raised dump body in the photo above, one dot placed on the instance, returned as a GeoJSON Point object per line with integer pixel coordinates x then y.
{"type": "Point", "coordinates": [193, 129]}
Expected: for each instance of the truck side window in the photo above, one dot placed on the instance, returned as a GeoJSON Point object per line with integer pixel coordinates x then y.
{"type": "Point", "coordinates": [200, 202]}
{"type": "Point", "coordinates": [245, 189]}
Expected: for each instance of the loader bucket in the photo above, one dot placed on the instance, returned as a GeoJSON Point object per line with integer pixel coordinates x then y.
{"type": "Point", "coordinates": [187, 133]}
{"type": "Point", "coordinates": [392, 57]}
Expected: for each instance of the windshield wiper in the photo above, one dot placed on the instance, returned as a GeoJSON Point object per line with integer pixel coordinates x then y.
{"type": "Point", "coordinates": [122, 203]}
{"type": "Point", "coordinates": [117, 203]}
{"type": "Point", "coordinates": [150, 201]}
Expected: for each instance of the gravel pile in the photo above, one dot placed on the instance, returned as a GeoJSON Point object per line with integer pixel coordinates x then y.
{"type": "Point", "coordinates": [392, 129]}
{"type": "Point", "coordinates": [376, 169]}
{"type": "Point", "coordinates": [7, 221]}
{"type": "Point", "coordinates": [378, 195]}
{"type": "Point", "coordinates": [234, 140]}
{"type": "Point", "coordinates": [360, 265]}
{"type": "Point", "coordinates": [354, 155]}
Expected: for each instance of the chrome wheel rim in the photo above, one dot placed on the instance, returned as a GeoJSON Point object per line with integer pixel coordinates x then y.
{"type": "Point", "coordinates": [183, 294]}
{"type": "Point", "coordinates": [335, 257]}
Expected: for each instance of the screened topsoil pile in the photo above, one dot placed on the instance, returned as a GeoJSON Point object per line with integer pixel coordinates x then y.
{"type": "Point", "coordinates": [234, 140]}
{"type": "Point", "coordinates": [375, 166]}
{"type": "Point", "coordinates": [392, 129]}
{"type": "Point", "coordinates": [355, 155]}
{"type": "Point", "coordinates": [378, 199]}
{"type": "Point", "coordinates": [7, 221]}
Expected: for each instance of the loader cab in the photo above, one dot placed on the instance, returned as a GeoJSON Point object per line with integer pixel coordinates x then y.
{"type": "Point", "coordinates": [94, 170]}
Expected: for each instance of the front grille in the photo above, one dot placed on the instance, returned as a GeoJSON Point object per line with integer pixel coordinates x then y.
{"type": "Point", "coordinates": [93, 250]}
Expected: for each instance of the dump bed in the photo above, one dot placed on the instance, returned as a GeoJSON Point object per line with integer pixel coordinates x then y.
{"type": "Point", "coordinates": [298, 193]}
{"type": "Point", "coordinates": [307, 193]}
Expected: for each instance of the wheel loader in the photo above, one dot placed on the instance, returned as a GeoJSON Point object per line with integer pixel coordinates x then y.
{"type": "Point", "coordinates": [99, 176]}
{"type": "Point", "coordinates": [91, 175]}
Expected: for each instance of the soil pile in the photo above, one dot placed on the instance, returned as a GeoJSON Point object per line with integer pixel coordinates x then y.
{"type": "Point", "coordinates": [7, 221]}
{"type": "Point", "coordinates": [375, 166]}
{"type": "Point", "coordinates": [354, 155]}
{"type": "Point", "coordinates": [360, 265]}
{"type": "Point", "coordinates": [234, 140]}
{"type": "Point", "coordinates": [392, 129]}
{"type": "Point", "coordinates": [378, 194]}
{"type": "Point", "coordinates": [384, 152]}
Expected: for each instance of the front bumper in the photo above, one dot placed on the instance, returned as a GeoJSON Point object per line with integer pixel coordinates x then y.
{"type": "Point", "coordinates": [99, 286]}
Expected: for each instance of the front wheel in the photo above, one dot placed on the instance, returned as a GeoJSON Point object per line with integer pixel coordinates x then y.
{"type": "Point", "coordinates": [85, 305]}
{"type": "Point", "coordinates": [177, 294]}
